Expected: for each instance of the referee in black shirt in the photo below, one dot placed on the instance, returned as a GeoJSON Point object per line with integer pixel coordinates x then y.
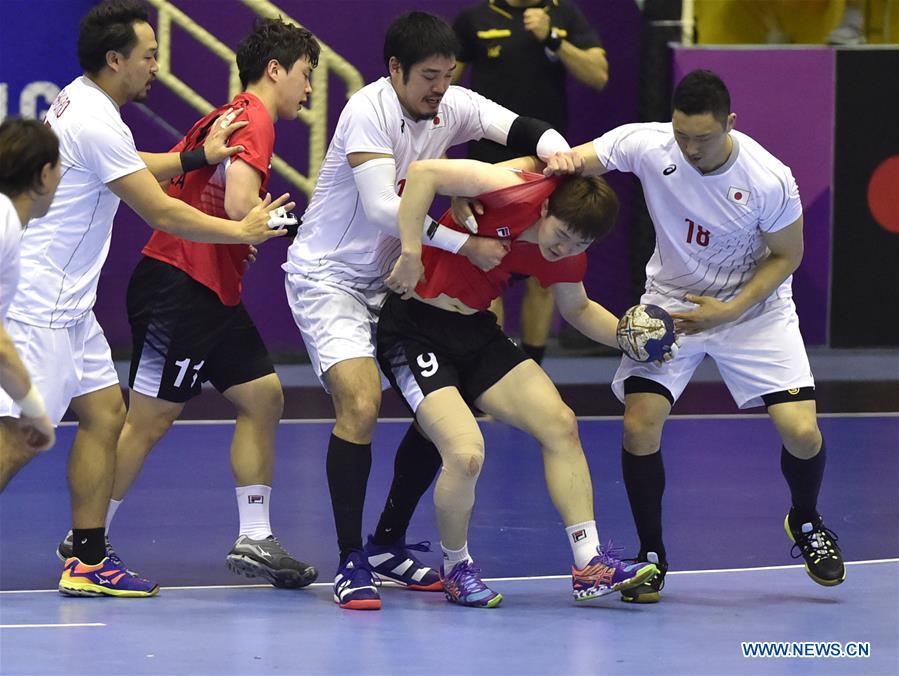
{"type": "Point", "coordinates": [519, 52]}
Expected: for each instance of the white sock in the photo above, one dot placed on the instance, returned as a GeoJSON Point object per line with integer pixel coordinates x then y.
{"type": "Point", "coordinates": [584, 541]}
{"type": "Point", "coordinates": [110, 512]}
{"type": "Point", "coordinates": [453, 556]}
{"type": "Point", "coordinates": [252, 504]}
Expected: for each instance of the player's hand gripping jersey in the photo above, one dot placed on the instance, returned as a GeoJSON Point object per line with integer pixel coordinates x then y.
{"type": "Point", "coordinates": [507, 213]}
{"type": "Point", "coordinates": [219, 267]}
{"type": "Point", "coordinates": [708, 226]}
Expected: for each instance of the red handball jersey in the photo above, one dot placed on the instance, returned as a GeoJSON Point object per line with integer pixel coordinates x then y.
{"type": "Point", "coordinates": [219, 267]}
{"type": "Point", "coordinates": [507, 214]}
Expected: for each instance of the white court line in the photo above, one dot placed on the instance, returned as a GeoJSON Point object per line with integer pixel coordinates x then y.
{"type": "Point", "coordinates": [687, 416]}
{"type": "Point", "coordinates": [51, 626]}
{"type": "Point", "coordinates": [490, 579]}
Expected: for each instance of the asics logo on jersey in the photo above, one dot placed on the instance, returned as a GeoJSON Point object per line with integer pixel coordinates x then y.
{"type": "Point", "coordinates": [670, 169]}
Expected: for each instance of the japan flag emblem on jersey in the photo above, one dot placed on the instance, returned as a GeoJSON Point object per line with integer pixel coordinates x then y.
{"type": "Point", "coordinates": [738, 195]}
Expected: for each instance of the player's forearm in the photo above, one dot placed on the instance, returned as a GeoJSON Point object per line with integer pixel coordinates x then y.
{"type": "Point", "coordinates": [768, 276]}
{"type": "Point", "coordinates": [594, 321]}
{"type": "Point", "coordinates": [419, 192]}
{"type": "Point", "coordinates": [14, 378]}
{"type": "Point", "coordinates": [178, 218]}
{"type": "Point", "coordinates": [529, 163]}
{"type": "Point", "coordinates": [588, 66]}
{"type": "Point", "coordinates": [163, 166]}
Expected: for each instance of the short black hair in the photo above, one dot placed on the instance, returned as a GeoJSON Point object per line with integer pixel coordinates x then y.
{"type": "Point", "coordinates": [274, 39]}
{"type": "Point", "coordinates": [701, 91]}
{"type": "Point", "coordinates": [109, 26]}
{"type": "Point", "coordinates": [25, 147]}
{"type": "Point", "coordinates": [586, 204]}
{"type": "Point", "coordinates": [416, 36]}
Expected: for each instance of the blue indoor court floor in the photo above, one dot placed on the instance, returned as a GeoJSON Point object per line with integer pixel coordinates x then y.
{"type": "Point", "coordinates": [732, 578]}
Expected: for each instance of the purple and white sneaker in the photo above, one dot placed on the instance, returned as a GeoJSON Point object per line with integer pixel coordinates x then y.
{"type": "Point", "coordinates": [605, 573]}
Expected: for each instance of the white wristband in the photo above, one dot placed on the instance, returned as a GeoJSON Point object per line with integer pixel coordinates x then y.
{"type": "Point", "coordinates": [442, 237]}
{"type": "Point", "coordinates": [32, 404]}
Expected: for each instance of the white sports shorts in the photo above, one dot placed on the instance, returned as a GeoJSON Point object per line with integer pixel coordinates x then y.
{"type": "Point", "coordinates": [63, 363]}
{"type": "Point", "coordinates": [337, 322]}
{"type": "Point", "coordinates": [760, 353]}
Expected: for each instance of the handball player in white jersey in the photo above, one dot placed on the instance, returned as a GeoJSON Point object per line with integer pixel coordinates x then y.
{"type": "Point", "coordinates": [347, 245]}
{"type": "Point", "coordinates": [51, 317]}
{"type": "Point", "coordinates": [728, 226]}
{"type": "Point", "coordinates": [29, 174]}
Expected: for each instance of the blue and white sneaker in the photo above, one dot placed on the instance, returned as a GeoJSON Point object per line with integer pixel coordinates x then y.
{"type": "Point", "coordinates": [396, 563]}
{"type": "Point", "coordinates": [354, 588]}
{"type": "Point", "coordinates": [463, 585]}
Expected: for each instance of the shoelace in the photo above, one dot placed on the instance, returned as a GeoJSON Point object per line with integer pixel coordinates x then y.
{"type": "Point", "coordinates": [610, 555]}
{"type": "Point", "coordinates": [821, 540]}
{"type": "Point", "coordinates": [356, 571]}
{"type": "Point", "coordinates": [423, 546]}
{"type": "Point", "coordinates": [277, 543]}
{"type": "Point", "coordinates": [466, 576]}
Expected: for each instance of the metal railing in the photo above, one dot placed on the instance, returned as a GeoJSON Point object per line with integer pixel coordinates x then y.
{"type": "Point", "coordinates": [315, 117]}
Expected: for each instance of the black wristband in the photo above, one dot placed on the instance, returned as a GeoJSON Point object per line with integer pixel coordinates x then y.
{"type": "Point", "coordinates": [553, 42]}
{"type": "Point", "coordinates": [193, 159]}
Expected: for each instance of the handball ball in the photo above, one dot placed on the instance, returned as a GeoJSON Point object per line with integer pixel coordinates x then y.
{"type": "Point", "coordinates": [645, 333]}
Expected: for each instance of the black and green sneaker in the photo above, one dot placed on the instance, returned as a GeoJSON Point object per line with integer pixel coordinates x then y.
{"type": "Point", "coordinates": [649, 591]}
{"type": "Point", "coordinates": [818, 546]}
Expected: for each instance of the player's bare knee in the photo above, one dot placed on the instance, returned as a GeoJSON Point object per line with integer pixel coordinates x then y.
{"type": "Point", "coordinates": [109, 418]}
{"type": "Point", "coordinates": [803, 439]}
{"type": "Point", "coordinates": [560, 429]}
{"type": "Point", "coordinates": [150, 430]}
{"type": "Point", "coordinates": [358, 412]}
{"type": "Point", "coordinates": [642, 434]}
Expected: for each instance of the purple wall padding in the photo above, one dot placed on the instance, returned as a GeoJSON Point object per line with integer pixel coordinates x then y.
{"type": "Point", "coordinates": [784, 98]}
{"type": "Point", "coordinates": [354, 28]}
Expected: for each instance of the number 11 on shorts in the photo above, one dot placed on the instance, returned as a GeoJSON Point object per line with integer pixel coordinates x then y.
{"type": "Point", "coordinates": [183, 366]}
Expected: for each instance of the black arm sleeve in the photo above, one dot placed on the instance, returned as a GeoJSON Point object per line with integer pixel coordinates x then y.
{"type": "Point", "coordinates": [524, 134]}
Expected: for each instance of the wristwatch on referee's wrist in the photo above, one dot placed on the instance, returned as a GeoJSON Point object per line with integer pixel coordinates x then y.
{"type": "Point", "coordinates": [553, 41]}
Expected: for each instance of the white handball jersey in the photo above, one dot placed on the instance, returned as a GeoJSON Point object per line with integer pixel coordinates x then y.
{"type": "Point", "coordinates": [62, 253]}
{"type": "Point", "coordinates": [337, 241]}
{"type": "Point", "coordinates": [10, 234]}
{"type": "Point", "coordinates": [708, 226]}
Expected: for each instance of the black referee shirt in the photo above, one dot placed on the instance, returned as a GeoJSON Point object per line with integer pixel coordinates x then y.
{"type": "Point", "coordinates": [509, 66]}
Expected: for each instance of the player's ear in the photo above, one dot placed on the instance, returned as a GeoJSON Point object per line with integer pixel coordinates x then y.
{"type": "Point", "coordinates": [394, 66]}
{"type": "Point", "coordinates": [544, 208]}
{"type": "Point", "coordinates": [731, 121]}
{"type": "Point", "coordinates": [273, 69]}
